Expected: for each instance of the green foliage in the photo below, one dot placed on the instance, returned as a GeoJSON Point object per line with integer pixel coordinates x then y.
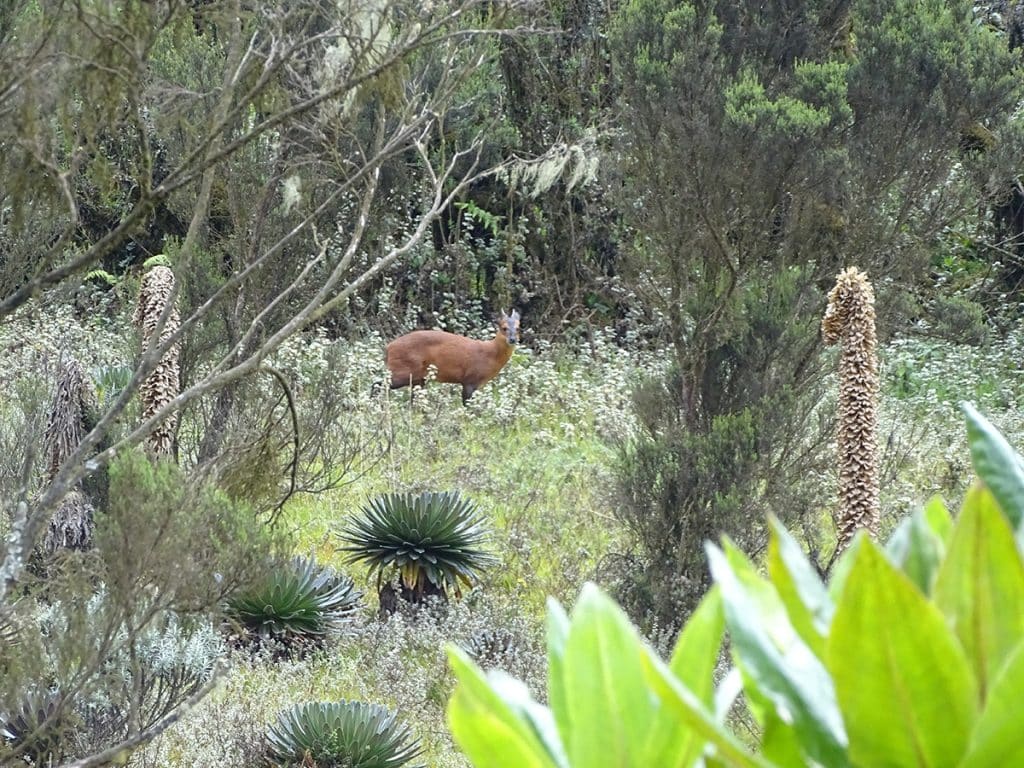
{"type": "Point", "coordinates": [474, 213]}
{"type": "Point", "coordinates": [345, 734]}
{"type": "Point", "coordinates": [122, 630]}
{"type": "Point", "coordinates": [432, 540]}
{"type": "Point", "coordinates": [100, 277]}
{"type": "Point", "coordinates": [163, 533]}
{"type": "Point", "coordinates": [159, 260]}
{"type": "Point", "coordinates": [958, 318]}
{"type": "Point", "coordinates": [912, 656]}
{"type": "Point", "coordinates": [295, 601]}
{"type": "Point", "coordinates": [758, 161]}
{"type": "Point", "coordinates": [749, 106]}
{"type": "Point", "coordinates": [110, 380]}
{"type": "Point", "coordinates": [683, 484]}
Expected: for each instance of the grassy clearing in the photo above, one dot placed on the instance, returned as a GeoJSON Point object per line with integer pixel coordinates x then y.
{"type": "Point", "coordinates": [922, 429]}
{"type": "Point", "coordinates": [535, 450]}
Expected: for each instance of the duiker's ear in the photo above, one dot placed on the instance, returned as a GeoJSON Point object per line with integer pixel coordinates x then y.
{"type": "Point", "coordinates": [515, 314]}
{"type": "Point", "coordinates": [503, 316]}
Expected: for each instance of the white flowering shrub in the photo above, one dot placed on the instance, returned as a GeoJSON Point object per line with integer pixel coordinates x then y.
{"type": "Point", "coordinates": [398, 661]}
{"type": "Point", "coordinates": [151, 664]}
{"type": "Point", "coordinates": [922, 439]}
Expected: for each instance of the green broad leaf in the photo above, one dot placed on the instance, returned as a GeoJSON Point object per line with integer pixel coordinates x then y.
{"type": "Point", "coordinates": [980, 587]}
{"type": "Point", "coordinates": [997, 736]}
{"type": "Point", "coordinates": [778, 667]}
{"type": "Point", "coordinates": [497, 724]}
{"type": "Point", "coordinates": [696, 653]}
{"type": "Point", "coordinates": [904, 684]}
{"type": "Point", "coordinates": [805, 598]}
{"type": "Point", "coordinates": [937, 515]}
{"type": "Point", "coordinates": [727, 693]}
{"type": "Point", "coordinates": [780, 744]}
{"type": "Point", "coordinates": [557, 634]}
{"type": "Point", "coordinates": [728, 750]}
{"type": "Point", "coordinates": [841, 568]}
{"type": "Point", "coordinates": [610, 710]}
{"type": "Point", "coordinates": [693, 663]}
{"type": "Point", "coordinates": [917, 550]}
{"type": "Point", "coordinates": [999, 466]}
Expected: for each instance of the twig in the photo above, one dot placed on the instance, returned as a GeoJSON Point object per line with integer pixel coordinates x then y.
{"type": "Point", "coordinates": [296, 443]}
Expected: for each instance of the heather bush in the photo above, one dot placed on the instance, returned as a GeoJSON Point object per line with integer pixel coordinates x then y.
{"type": "Point", "coordinates": [121, 632]}
{"type": "Point", "coordinates": [148, 664]}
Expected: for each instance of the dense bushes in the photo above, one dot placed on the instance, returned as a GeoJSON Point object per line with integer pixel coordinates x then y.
{"type": "Point", "coordinates": [119, 635]}
{"type": "Point", "coordinates": [741, 206]}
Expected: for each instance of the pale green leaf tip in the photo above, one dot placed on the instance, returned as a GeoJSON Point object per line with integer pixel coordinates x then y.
{"type": "Point", "coordinates": [458, 659]}
{"type": "Point", "coordinates": [591, 597]}
{"type": "Point", "coordinates": [977, 423]}
{"type": "Point", "coordinates": [555, 608]}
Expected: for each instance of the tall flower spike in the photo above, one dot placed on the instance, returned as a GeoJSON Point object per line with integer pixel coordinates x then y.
{"type": "Point", "coordinates": [72, 523]}
{"type": "Point", "coordinates": [161, 386]}
{"type": "Point", "coordinates": [850, 322]}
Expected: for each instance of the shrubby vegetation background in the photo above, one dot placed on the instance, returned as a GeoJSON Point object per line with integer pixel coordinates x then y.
{"type": "Point", "coordinates": [665, 191]}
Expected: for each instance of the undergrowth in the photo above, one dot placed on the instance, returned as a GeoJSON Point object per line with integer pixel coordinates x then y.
{"type": "Point", "coordinates": [534, 450]}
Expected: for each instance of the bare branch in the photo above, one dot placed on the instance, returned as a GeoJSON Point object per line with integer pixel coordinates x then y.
{"type": "Point", "coordinates": [296, 440]}
{"type": "Point", "coordinates": [119, 752]}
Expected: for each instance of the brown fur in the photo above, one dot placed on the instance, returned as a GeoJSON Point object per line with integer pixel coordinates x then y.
{"type": "Point", "coordinates": [458, 360]}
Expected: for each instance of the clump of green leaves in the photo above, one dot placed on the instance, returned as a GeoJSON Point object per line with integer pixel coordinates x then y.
{"type": "Point", "coordinates": [432, 540]}
{"type": "Point", "coordinates": [179, 537]}
{"type": "Point", "coordinates": [345, 734]}
{"type": "Point", "coordinates": [297, 601]}
{"type": "Point", "coordinates": [159, 260]}
{"type": "Point", "coordinates": [913, 655]}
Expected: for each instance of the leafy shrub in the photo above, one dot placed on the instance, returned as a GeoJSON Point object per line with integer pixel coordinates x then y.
{"type": "Point", "coordinates": [119, 629]}
{"type": "Point", "coordinates": [432, 540]}
{"type": "Point", "coordinates": [147, 676]}
{"type": "Point", "coordinates": [958, 319]}
{"type": "Point", "coordinates": [912, 655]}
{"type": "Point", "coordinates": [345, 734]}
{"type": "Point", "coordinates": [296, 601]}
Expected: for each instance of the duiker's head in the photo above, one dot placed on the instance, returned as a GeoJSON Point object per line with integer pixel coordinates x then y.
{"type": "Point", "coordinates": [508, 325]}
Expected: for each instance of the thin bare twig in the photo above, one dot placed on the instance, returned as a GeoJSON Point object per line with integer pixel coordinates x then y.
{"type": "Point", "coordinates": [296, 440]}
{"type": "Point", "coordinates": [119, 752]}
